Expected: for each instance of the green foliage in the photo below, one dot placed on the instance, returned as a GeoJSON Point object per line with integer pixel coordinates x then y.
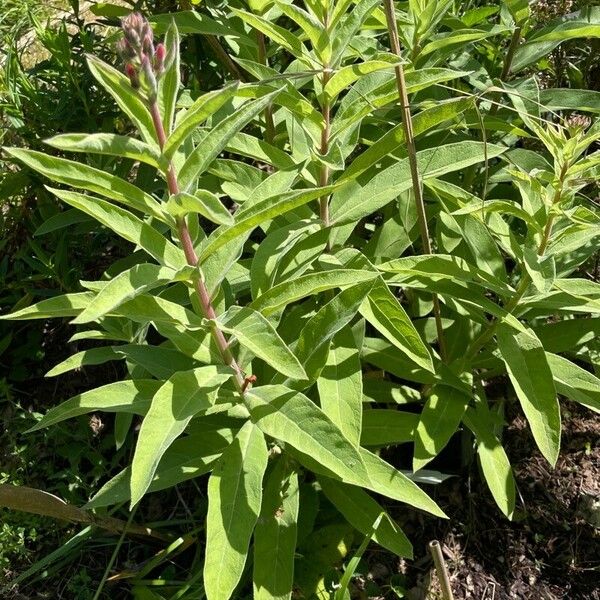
{"type": "Point", "coordinates": [282, 298]}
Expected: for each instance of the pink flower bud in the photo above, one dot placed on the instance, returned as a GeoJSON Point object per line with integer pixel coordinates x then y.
{"type": "Point", "coordinates": [133, 75]}
{"type": "Point", "coordinates": [159, 58]}
{"type": "Point", "coordinates": [149, 77]}
{"type": "Point", "coordinates": [147, 45]}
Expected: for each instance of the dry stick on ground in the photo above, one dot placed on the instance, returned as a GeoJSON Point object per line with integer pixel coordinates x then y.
{"type": "Point", "coordinates": [440, 567]}
{"type": "Point", "coordinates": [412, 159]}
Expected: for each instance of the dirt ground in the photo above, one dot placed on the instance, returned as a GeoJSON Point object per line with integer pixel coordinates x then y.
{"type": "Point", "coordinates": [550, 551]}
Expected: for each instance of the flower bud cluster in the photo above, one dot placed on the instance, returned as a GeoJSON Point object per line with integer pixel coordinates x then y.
{"type": "Point", "coordinates": [144, 63]}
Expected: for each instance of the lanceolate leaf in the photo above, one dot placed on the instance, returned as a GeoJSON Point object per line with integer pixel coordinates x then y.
{"type": "Point", "coordinates": [315, 337]}
{"type": "Point", "coordinates": [249, 218]}
{"type": "Point", "coordinates": [185, 394]}
{"type": "Point", "coordinates": [358, 200]}
{"type": "Point", "coordinates": [384, 427]}
{"type": "Point", "coordinates": [289, 291]}
{"type": "Point", "coordinates": [203, 107]}
{"type": "Point", "coordinates": [122, 396]}
{"type": "Point", "coordinates": [256, 333]}
{"type": "Point", "coordinates": [127, 285]}
{"type": "Point", "coordinates": [361, 511]}
{"type": "Point", "coordinates": [440, 418]}
{"type": "Point", "coordinates": [385, 313]}
{"type": "Point", "coordinates": [275, 535]}
{"type": "Point", "coordinates": [119, 87]}
{"type": "Point", "coordinates": [575, 383]}
{"type": "Point", "coordinates": [168, 84]}
{"type": "Point", "coordinates": [127, 225]}
{"type": "Point", "coordinates": [188, 457]}
{"type": "Point", "coordinates": [290, 416]}
{"type": "Point", "coordinates": [531, 377]}
{"type": "Point", "coordinates": [394, 138]}
{"type": "Point", "coordinates": [81, 176]}
{"type": "Point", "coordinates": [212, 145]}
{"type": "Point", "coordinates": [340, 385]}
{"type": "Point", "coordinates": [67, 305]}
{"type": "Point", "coordinates": [109, 144]}
{"type": "Point", "coordinates": [494, 462]}
{"type": "Point", "coordinates": [234, 503]}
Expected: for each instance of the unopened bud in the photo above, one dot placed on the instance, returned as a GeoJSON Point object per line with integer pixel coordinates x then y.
{"type": "Point", "coordinates": [149, 77]}
{"type": "Point", "coordinates": [159, 59]}
{"type": "Point", "coordinates": [133, 75]}
{"type": "Point", "coordinates": [125, 50]}
{"type": "Point", "coordinates": [147, 45]}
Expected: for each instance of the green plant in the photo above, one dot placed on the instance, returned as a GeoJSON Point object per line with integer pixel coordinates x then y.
{"type": "Point", "coordinates": [285, 300]}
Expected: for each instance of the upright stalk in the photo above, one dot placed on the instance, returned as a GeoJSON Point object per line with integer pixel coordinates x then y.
{"type": "Point", "coordinates": [192, 259]}
{"type": "Point", "coordinates": [486, 335]}
{"type": "Point", "coordinates": [325, 133]}
{"type": "Point", "coordinates": [412, 160]}
{"type": "Point", "coordinates": [262, 58]}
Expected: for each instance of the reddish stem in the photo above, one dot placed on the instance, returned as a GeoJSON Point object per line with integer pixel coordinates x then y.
{"type": "Point", "coordinates": [192, 259]}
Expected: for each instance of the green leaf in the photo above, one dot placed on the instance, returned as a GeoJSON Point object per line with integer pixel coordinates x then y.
{"type": "Point", "coordinates": [192, 21]}
{"type": "Point", "coordinates": [202, 202]}
{"type": "Point", "coordinates": [188, 457]}
{"type": "Point", "coordinates": [340, 385]}
{"type": "Point", "coordinates": [127, 225]}
{"type": "Point", "coordinates": [284, 293]}
{"type": "Point", "coordinates": [582, 24]}
{"type": "Point", "coordinates": [382, 309]}
{"type": "Point", "coordinates": [361, 511]}
{"type": "Point", "coordinates": [256, 333]}
{"type": "Point", "coordinates": [127, 285]}
{"type": "Point", "coordinates": [67, 305]}
{"type": "Point", "coordinates": [394, 138]}
{"type": "Point", "coordinates": [493, 459]}
{"type": "Point", "coordinates": [385, 427]}
{"type": "Point", "coordinates": [312, 347]}
{"type": "Point", "coordinates": [347, 75]}
{"type": "Point", "coordinates": [278, 34]}
{"type": "Point", "coordinates": [309, 25]}
{"type": "Point", "coordinates": [119, 87]}
{"type": "Point", "coordinates": [160, 362]}
{"type": "Point", "coordinates": [122, 396]}
{"type": "Point", "coordinates": [109, 144]}
{"type": "Point", "coordinates": [440, 419]}
{"type": "Point", "coordinates": [234, 503]}
{"type": "Point", "coordinates": [575, 383]}
{"type": "Point", "coordinates": [205, 106]}
{"type": "Point", "coordinates": [531, 377]}
{"type": "Point", "coordinates": [357, 200]}
{"type": "Point", "coordinates": [275, 535]}
{"type": "Point", "coordinates": [570, 99]}
{"type": "Point", "coordinates": [185, 394]}
{"type": "Point", "coordinates": [541, 269]}
{"type": "Point", "coordinates": [290, 416]}
{"type": "Point", "coordinates": [81, 176]}
{"type": "Point", "coordinates": [168, 84]}
{"type": "Point", "coordinates": [217, 138]}
{"type": "Point", "coordinates": [250, 217]}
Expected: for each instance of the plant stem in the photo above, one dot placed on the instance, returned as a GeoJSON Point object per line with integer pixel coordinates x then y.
{"type": "Point", "coordinates": [325, 133]}
{"type": "Point", "coordinates": [486, 335]}
{"type": "Point", "coordinates": [510, 53]}
{"type": "Point", "coordinates": [506, 66]}
{"type": "Point", "coordinates": [412, 160]}
{"type": "Point", "coordinates": [324, 175]}
{"type": "Point", "coordinates": [192, 259]}
{"type": "Point", "coordinates": [262, 58]}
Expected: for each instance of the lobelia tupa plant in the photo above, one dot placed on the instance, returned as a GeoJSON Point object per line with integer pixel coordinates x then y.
{"type": "Point", "coordinates": [272, 319]}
